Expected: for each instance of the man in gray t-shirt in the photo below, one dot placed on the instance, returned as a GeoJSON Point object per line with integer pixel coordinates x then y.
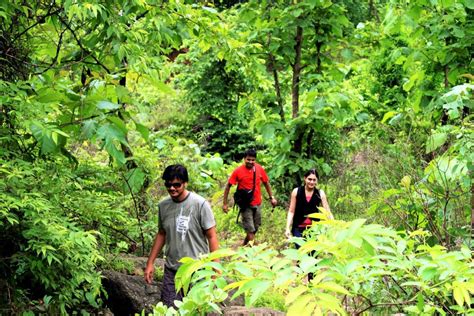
{"type": "Point", "coordinates": [186, 226]}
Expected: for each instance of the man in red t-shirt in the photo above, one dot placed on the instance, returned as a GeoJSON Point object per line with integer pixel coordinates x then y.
{"type": "Point", "coordinates": [243, 177]}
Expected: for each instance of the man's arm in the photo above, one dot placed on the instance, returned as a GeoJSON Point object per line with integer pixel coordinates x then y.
{"type": "Point", "coordinates": [211, 236]}
{"type": "Point", "coordinates": [155, 250]}
{"type": "Point", "coordinates": [225, 207]}
{"type": "Point", "coordinates": [269, 191]}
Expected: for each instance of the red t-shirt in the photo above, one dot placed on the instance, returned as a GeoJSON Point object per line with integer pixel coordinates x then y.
{"type": "Point", "coordinates": [244, 178]}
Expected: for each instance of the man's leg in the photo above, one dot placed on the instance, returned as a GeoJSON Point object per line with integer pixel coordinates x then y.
{"type": "Point", "coordinates": [251, 220]}
{"type": "Point", "coordinates": [168, 291]}
{"type": "Point", "coordinates": [248, 238]}
{"type": "Point", "coordinates": [248, 224]}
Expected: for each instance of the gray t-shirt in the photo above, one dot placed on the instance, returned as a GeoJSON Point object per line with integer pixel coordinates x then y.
{"type": "Point", "coordinates": [185, 224]}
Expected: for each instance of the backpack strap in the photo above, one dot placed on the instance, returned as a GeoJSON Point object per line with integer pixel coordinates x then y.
{"type": "Point", "coordinates": [253, 191]}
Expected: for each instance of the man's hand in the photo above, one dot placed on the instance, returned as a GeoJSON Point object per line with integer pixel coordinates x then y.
{"type": "Point", "coordinates": [149, 273]}
{"type": "Point", "coordinates": [225, 208]}
{"type": "Point", "coordinates": [273, 201]}
{"type": "Point", "coordinates": [288, 233]}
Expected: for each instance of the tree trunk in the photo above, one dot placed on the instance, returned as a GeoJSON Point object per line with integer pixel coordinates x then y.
{"type": "Point", "coordinates": [319, 45]}
{"type": "Point", "coordinates": [276, 83]}
{"type": "Point", "coordinates": [295, 89]}
{"type": "Point", "coordinates": [295, 86]}
{"type": "Point", "coordinates": [373, 11]}
{"type": "Point", "coordinates": [138, 201]}
{"type": "Point", "coordinates": [472, 212]}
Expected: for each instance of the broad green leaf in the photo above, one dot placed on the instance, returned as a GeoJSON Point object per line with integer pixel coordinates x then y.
{"type": "Point", "coordinates": [428, 273]}
{"type": "Point", "coordinates": [401, 246]}
{"type": "Point", "coordinates": [405, 182]}
{"type": "Point", "coordinates": [355, 225]}
{"type": "Point", "coordinates": [258, 290]}
{"type": "Point", "coordinates": [49, 95]}
{"type": "Point", "coordinates": [243, 269]}
{"type": "Point", "coordinates": [160, 143]}
{"type": "Point", "coordinates": [294, 293]}
{"type": "Point", "coordinates": [246, 288]}
{"type": "Point", "coordinates": [435, 141]}
{"type": "Point", "coordinates": [299, 306]}
{"type": "Point", "coordinates": [333, 287]}
{"type": "Point", "coordinates": [111, 133]}
{"type": "Point", "coordinates": [420, 302]}
{"type": "Point", "coordinates": [369, 245]}
{"type": "Point", "coordinates": [268, 132]}
{"type": "Point", "coordinates": [458, 295]}
{"type": "Point", "coordinates": [121, 91]}
{"type": "Point", "coordinates": [135, 179]}
{"type": "Point", "coordinates": [215, 163]}
{"type": "Point", "coordinates": [89, 128]}
{"type": "Point", "coordinates": [391, 22]}
{"type": "Point", "coordinates": [143, 130]}
{"type": "Point", "coordinates": [119, 123]}
{"type": "Point", "coordinates": [308, 264]}
{"type": "Point", "coordinates": [160, 85]}
{"type": "Point", "coordinates": [469, 4]}
{"type": "Point", "coordinates": [318, 216]}
{"type": "Point", "coordinates": [221, 253]}
{"type": "Point", "coordinates": [388, 116]}
{"type": "Point", "coordinates": [284, 279]}
{"type": "Point", "coordinates": [116, 154]}
{"type": "Point", "coordinates": [184, 273]}
{"type": "Point", "coordinates": [234, 285]}
{"type": "Point", "coordinates": [107, 105]}
{"type": "Point", "coordinates": [44, 137]}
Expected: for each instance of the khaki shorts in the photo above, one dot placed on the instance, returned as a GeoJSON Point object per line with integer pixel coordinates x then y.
{"type": "Point", "coordinates": [251, 218]}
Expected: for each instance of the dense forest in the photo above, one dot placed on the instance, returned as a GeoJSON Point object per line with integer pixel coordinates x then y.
{"type": "Point", "coordinates": [98, 97]}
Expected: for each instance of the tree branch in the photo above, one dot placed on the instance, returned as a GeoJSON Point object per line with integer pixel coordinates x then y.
{"type": "Point", "coordinates": [86, 118]}
{"type": "Point", "coordinates": [38, 21]}
{"type": "Point", "coordinates": [81, 46]}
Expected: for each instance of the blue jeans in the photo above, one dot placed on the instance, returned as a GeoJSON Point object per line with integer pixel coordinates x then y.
{"type": "Point", "coordinates": [298, 232]}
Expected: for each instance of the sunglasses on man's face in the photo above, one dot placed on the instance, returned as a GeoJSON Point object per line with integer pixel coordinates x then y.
{"type": "Point", "coordinates": [175, 185]}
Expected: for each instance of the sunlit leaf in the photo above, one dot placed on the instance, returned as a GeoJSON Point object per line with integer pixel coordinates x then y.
{"type": "Point", "coordinates": [435, 141]}
{"type": "Point", "coordinates": [294, 294]}
{"type": "Point", "coordinates": [106, 105]}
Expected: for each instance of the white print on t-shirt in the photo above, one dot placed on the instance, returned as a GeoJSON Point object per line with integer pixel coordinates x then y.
{"type": "Point", "coordinates": [182, 223]}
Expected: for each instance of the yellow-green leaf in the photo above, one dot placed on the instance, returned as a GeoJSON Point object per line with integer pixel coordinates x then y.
{"type": "Point", "coordinates": [333, 287]}
{"type": "Point", "coordinates": [295, 293]}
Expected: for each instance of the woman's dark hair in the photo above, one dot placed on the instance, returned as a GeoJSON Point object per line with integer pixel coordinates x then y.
{"type": "Point", "coordinates": [250, 153]}
{"type": "Point", "coordinates": [175, 172]}
{"type": "Point", "coordinates": [312, 171]}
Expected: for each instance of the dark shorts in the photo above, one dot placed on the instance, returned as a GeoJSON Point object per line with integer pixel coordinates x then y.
{"type": "Point", "coordinates": [168, 290]}
{"type": "Point", "coordinates": [251, 218]}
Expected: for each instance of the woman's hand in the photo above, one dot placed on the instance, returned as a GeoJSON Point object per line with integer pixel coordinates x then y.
{"type": "Point", "coordinates": [288, 233]}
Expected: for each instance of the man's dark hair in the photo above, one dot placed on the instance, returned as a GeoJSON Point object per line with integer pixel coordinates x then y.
{"type": "Point", "coordinates": [175, 172]}
{"type": "Point", "coordinates": [250, 153]}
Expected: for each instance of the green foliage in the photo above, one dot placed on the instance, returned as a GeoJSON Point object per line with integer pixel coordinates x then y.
{"type": "Point", "coordinates": [357, 268]}
{"type": "Point", "coordinates": [119, 264]}
{"type": "Point", "coordinates": [47, 249]}
{"type": "Point", "coordinates": [213, 92]}
{"type": "Point", "coordinates": [92, 97]}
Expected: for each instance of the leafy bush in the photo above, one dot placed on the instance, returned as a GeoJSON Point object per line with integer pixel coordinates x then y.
{"type": "Point", "coordinates": [48, 252]}
{"type": "Point", "coordinates": [356, 268]}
